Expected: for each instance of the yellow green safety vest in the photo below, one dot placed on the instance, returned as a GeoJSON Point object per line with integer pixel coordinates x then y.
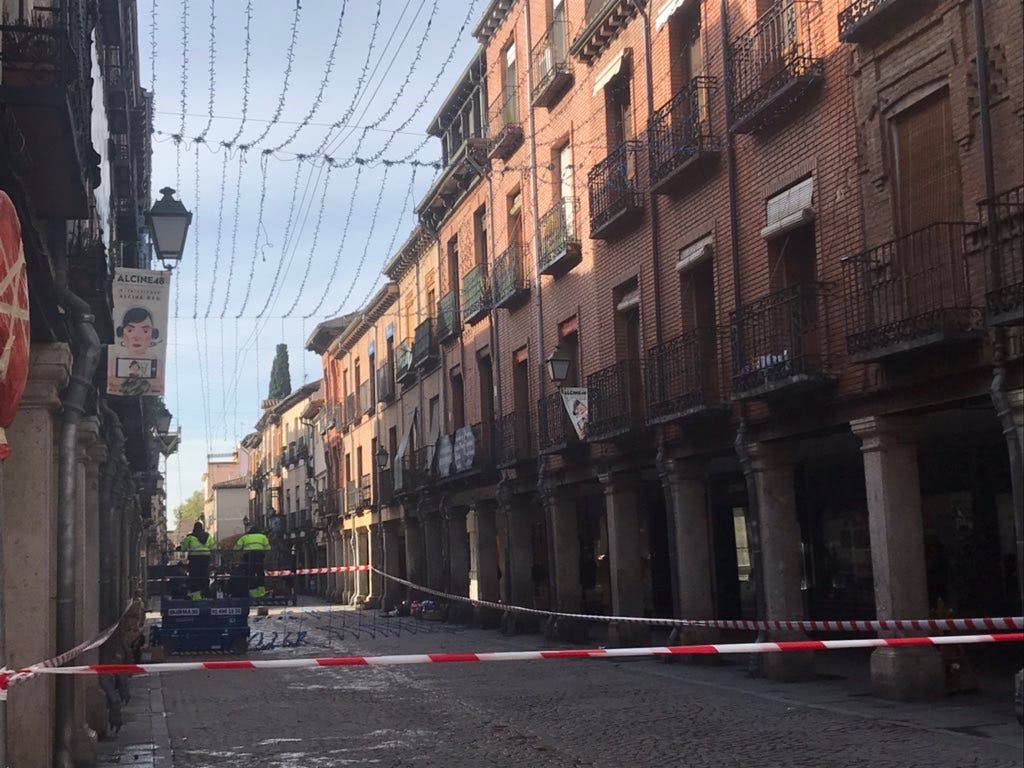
{"type": "Point", "coordinates": [253, 542]}
{"type": "Point", "coordinates": [191, 543]}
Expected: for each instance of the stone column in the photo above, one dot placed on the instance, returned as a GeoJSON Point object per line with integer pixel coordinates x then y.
{"type": "Point", "coordinates": [780, 555]}
{"type": "Point", "coordinates": [622, 508]}
{"type": "Point", "coordinates": [897, 553]}
{"type": "Point", "coordinates": [376, 560]}
{"type": "Point", "coordinates": [565, 539]}
{"type": "Point", "coordinates": [458, 563]}
{"type": "Point", "coordinates": [433, 530]}
{"type": "Point", "coordinates": [683, 482]}
{"type": "Point", "coordinates": [28, 507]}
{"type": "Point", "coordinates": [391, 558]}
{"type": "Point", "coordinates": [362, 580]}
{"type": "Point", "coordinates": [416, 567]}
{"type": "Point", "coordinates": [483, 552]}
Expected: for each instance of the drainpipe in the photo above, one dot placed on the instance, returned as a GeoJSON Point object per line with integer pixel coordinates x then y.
{"type": "Point", "coordinates": [740, 444]}
{"type": "Point", "coordinates": [998, 388]}
{"type": "Point", "coordinates": [86, 348]}
{"type": "Point", "coordinates": [541, 464]}
{"type": "Point", "coordinates": [108, 516]}
{"type": "Point", "coordinates": [655, 215]}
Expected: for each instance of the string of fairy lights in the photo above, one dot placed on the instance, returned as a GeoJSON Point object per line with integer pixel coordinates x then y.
{"type": "Point", "coordinates": [256, 241]}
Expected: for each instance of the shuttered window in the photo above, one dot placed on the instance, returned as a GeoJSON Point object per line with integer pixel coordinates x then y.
{"type": "Point", "coordinates": [926, 165]}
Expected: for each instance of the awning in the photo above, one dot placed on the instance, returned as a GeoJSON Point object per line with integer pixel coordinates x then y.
{"type": "Point", "coordinates": [789, 209]}
{"type": "Point", "coordinates": [609, 72]}
{"type": "Point", "coordinates": [404, 444]}
{"type": "Point", "coordinates": [630, 300]}
{"type": "Point", "coordinates": [665, 12]}
{"type": "Point", "coordinates": [695, 252]}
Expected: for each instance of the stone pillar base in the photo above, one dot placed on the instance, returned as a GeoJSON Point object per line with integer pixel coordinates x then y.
{"type": "Point", "coordinates": [787, 667]}
{"type": "Point", "coordinates": [905, 674]}
{"type": "Point", "coordinates": [625, 635]}
{"type": "Point", "coordinates": [571, 631]}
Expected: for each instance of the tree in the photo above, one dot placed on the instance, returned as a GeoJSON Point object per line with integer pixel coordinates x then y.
{"type": "Point", "coordinates": [280, 378]}
{"type": "Point", "coordinates": [191, 509]}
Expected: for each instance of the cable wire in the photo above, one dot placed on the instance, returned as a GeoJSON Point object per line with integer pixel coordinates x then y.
{"type": "Point", "coordinates": [289, 63]}
{"type": "Point", "coordinates": [245, 76]}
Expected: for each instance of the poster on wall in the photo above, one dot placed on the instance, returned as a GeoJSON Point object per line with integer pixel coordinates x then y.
{"type": "Point", "coordinates": [135, 361]}
{"type": "Point", "coordinates": [14, 319]}
{"type": "Point", "coordinates": [577, 406]}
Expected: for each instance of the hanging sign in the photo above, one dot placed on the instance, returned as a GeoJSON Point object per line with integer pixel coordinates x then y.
{"type": "Point", "coordinates": [14, 319]}
{"type": "Point", "coordinates": [135, 361]}
{"type": "Point", "coordinates": [577, 405]}
{"type": "Point", "coordinates": [444, 456]}
{"type": "Point", "coordinates": [465, 449]}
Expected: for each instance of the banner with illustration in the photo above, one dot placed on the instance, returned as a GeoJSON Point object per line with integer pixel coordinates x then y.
{"type": "Point", "coordinates": [135, 361]}
{"type": "Point", "coordinates": [577, 406]}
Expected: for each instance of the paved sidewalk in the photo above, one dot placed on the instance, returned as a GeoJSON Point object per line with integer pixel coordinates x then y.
{"type": "Point", "coordinates": [142, 742]}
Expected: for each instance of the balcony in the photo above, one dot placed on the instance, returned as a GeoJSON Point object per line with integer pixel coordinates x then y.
{"type": "Point", "coordinates": [560, 249]}
{"type": "Point", "coordinates": [504, 129]}
{"type": "Point", "coordinates": [46, 86]}
{"type": "Point", "coordinates": [513, 442]}
{"type": "Point", "coordinates": [424, 345]}
{"type": "Point", "coordinates": [466, 454]}
{"type": "Point", "coordinates": [386, 486]}
{"type": "Point", "coordinates": [301, 451]}
{"type": "Point", "coordinates": [772, 65]}
{"type": "Point", "coordinates": [385, 384]}
{"type": "Point", "coordinates": [366, 404]}
{"type": "Point", "coordinates": [779, 344]}
{"type": "Point", "coordinates": [509, 288]}
{"type": "Point", "coordinates": [351, 415]}
{"type": "Point", "coordinates": [1004, 252]}
{"type": "Point", "coordinates": [682, 378]}
{"type": "Point", "coordinates": [421, 470]}
{"type": "Point", "coordinates": [449, 324]}
{"type": "Point", "coordinates": [366, 491]}
{"type": "Point", "coordinates": [555, 433]}
{"type": "Point", "coordinates": [616, 401]}
{"type": "Point", "coordinates": [680, 139]}
{"type": "Point", "coordinates": [475, 296]}
{"type": "Point", "coordinates": [351, 498]}
{"type": "Point", "coordinates": [863, 20]}
{"type": "Point", "coordinates": [910, 293]}
{"type": "Point", "coordinates": [616, 203]}
{"type": "Point", "coordinates": [551, 73]}
{"type": "Point", "coordinates": [405, 370]}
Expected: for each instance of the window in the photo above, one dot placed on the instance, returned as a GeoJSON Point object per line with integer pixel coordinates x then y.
{"type": "Point", "coordinates": [792, 259]}
{"type": "Point", "coordinates": [410, 315]}
{"type": "Point", "coordinates": [521, 381]}
{"type": "Point", "coordinates": [434, 418]}
{"type": "Point", "coordinates": [431, 291]}
{"type": "Point", "coordinates": [685, 51]}
{"type": "Point", "coordinates": [372, 366]}
{"type": "Point", "coordinates": [618, 128]}
{"type": "Point", "coordinates": [927, 173]}
{"type": "Point", "coordinates": [356, 384]}
{"type": "Point", "coordinates": [486, 375]}
{"type": "Point", "coordinates": [287, 501]}
{"type": "Point", "coordinates": [359, 462]}
{"type": "Point", "coordinates": [458, 400]}
{"type": "Point", "coordinates": [480, 234]}
{"type": "Point", "coordinates": [515, 218]}
{"type": "Point", "coordinates": [453, 265]}
{"type": "Point", "coordinates": [510, 109]}
{"type": "Point", "coordinates": [565, 181]}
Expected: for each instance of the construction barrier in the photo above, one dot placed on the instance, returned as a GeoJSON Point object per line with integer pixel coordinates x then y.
{"type": "Point", "coordinates": [991, 624]}
{"type": "Point", "coordinates": [800, 646]}
{"type": "Point", "coordinates": [320, 571]}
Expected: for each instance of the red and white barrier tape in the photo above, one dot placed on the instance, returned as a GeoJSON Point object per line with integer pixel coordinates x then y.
{"type": "Point", "coordinates": [320, 571]}
{"type": "Point", "coordinates": [9, 678]}
{"type": "Point", "coordinates": [991, 624]}
{"type": "Point", "coordinates": [593, 653]}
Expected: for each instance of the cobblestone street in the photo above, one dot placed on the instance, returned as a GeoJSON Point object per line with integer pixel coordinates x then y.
{"type": "Point", "coordinates": [561, 713]}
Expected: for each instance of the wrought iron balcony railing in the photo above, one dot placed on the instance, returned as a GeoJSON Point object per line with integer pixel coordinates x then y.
{"type": "Point", "coordinates": [366, 405]}
{"type": "Point", "coordinates": [405, 370]}
{"type": "Point", "coordinates": [551, 72]}
{"type": "Point", "coordinates": [504, 127]}
{"type": "Point", "coordinates": [424, 345]}
{"type": "Point", "coordinates": [680, 136]}
{"type": "Point", "coordinates": [773, 64]}
{"type": "Point", "coordinates": [385, 383]}
{"type": "Point", "coordinates": [365, 490]}
{"type": "Point", "coordinates": [351, 414]}
{"type": "Point", "coordinates": [682, 377]}
{"type": "Point", "coordinates": [616, 400]}
{"type": "Point", "coordinates": [911, 292]}
{"type": "Point", "coordinates": [560, 249]}
{"type": "Point", "coordinates": [862, 19]}
{"type": "Point", "coordinates": [616, 202]}
{"type": "Point", "coordinates": [465, 453]}
{"type": "Point", "coordinates": [351, 497]}
{"type": "Point", "coordinates": [555, 433]}
{"type": "Point", "coordinates": [513, 441]}
{"type": "Point", "coordinates": [508, 277]}
{"type": "Point", "coordinates": [1003, 245]}
{"type": "Point", "coordinates": [780, 343]}
{"type": "Point", "coordinates": [475, 295]}
{"type": "Point", "coordinates": [449, 323]}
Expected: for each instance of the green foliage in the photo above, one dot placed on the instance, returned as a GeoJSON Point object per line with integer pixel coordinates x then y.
{"type": "Point", "coordinates": [191, 509]}
{"type": "Point", "coordinates": [280, 378]}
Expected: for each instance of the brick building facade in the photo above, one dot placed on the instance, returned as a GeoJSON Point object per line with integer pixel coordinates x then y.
{"type": "Point", "coordinates": [755, 233]}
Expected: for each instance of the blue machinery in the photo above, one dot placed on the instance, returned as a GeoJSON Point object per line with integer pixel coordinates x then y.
{"type": "Point", "coordinates": [190, 626]}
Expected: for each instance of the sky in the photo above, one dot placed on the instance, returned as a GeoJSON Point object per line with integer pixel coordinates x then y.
{"type": "Point", "coordinates": [247, 281]}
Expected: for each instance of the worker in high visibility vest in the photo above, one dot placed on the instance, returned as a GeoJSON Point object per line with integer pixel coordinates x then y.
{"type": "Point", "coordinates": [198, 545]}
{"type": "Point", "coordinates": [254, 545]}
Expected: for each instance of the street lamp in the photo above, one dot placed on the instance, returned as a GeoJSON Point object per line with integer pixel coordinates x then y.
{"type": "Point", "coordinates": [162, 421]}
{"type": "Point", "coordinates": [558, 363]}
{"type": "Point", "coordinates": [168, 222]}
